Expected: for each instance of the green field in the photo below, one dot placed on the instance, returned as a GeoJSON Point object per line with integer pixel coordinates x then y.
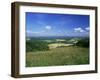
{"type": "Point", "coordinates": [70, 55]}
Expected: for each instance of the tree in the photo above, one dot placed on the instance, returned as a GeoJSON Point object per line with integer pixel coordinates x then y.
{"type": "Point", "coordinates": [36, 45]}
{"type": "Point", "coordinates": [83, 43]}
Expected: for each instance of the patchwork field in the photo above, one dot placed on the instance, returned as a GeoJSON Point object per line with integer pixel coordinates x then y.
{"type": "Point", "coordinates": [70, 55]}
{"type": "Point", "coordinates": [55, 45]}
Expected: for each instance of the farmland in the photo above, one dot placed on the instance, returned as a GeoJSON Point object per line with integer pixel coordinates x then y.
{"type": "Point", "coordinates": [53, 52]}
{"type": "Point", "coordinates": [55, 45]}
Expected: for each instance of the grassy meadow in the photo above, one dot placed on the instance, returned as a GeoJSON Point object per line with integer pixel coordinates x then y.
{"type": "Point", "coordinates": [71, 55]}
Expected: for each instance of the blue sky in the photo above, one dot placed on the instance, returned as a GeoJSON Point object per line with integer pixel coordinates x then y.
{"type": "Point", "coordinates": [47, 24]}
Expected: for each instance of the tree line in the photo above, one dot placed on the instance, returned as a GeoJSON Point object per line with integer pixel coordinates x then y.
{"type": "Point", "coordinates": [36, 45]}
{"type": "Point", "coordinates": [40, 45]}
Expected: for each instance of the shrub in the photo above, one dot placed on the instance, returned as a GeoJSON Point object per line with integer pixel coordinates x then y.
{"type": "Point", "coordinates": [36, 45]}
{"type": "Point", "coordinates": [83, 43]}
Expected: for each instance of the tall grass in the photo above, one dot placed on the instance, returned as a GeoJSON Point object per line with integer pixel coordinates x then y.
{"type": "Point", "coordinates": [58, 56]}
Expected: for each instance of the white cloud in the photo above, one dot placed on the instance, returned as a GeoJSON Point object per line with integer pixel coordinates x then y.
{"type": "Point", "coordinates": [48, 27]}
{"type": "Point", "coordinates": [79, 29]}
{"type": "Point", "coordinates": [40, 22]}
{"type": "Point", "coordinates": [31, 32]}
{"type": "Point", "coordinates": [87, 28]}
{"type": "Point", "coordinates": [59, 31]}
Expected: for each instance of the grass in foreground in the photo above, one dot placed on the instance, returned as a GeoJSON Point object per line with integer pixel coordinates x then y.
{"type": "Point", "coordinates": [58, 56]}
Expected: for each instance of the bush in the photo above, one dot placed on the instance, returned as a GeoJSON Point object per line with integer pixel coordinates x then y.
{"type": "Point", "coordinates": [83, 43]}
{"type": "Point", "coordinates": [36, 45]}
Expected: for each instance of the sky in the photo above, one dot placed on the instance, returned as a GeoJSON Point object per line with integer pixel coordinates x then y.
{"type": "Point", "coordinates": [49, 24]}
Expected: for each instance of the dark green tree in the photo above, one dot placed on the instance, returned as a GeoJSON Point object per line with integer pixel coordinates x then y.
{"type": "Point", "coordinates": [36, 45]}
